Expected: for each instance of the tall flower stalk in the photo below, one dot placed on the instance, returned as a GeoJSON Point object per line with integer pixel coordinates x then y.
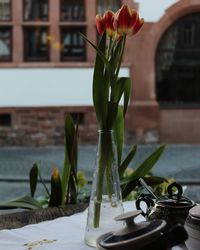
{"type": "Point", "coordinates": [109, 88]}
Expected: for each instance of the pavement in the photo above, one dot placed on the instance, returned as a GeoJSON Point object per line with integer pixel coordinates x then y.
{"type": "Point", "coordinates": [181, 162]}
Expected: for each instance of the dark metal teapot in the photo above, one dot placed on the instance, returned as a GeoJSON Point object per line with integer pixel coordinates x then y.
{"type": "Point", "coordinates": [143, 235]}
{"type": "Point", "coordinates": [173, 208]}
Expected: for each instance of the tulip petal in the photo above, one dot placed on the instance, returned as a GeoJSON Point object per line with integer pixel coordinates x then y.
{"type": "Point", "coordinates": [108, 18]}
{"type": "Point", "coordinates": [138, 25]}
{"type": "Point", "coordinates": [125, 19]}
{"type": "Point", "coordinates": [100, 24]}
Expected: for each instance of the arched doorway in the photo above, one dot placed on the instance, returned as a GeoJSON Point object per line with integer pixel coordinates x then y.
{"type": "Point", "coordinates": [178, 64]}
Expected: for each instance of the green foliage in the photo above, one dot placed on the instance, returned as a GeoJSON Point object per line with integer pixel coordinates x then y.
{"type": "Point", "coordinates": [63, 190]}
{"type": "Point", "coordinates": [33, 177]}
{"type": "Point", "coordinates": [119, 134]}
{"type": "Point", "coordinates": [25, 202]}
{"type": "Point", "coordinates": [69, 180]}
{"type": "Point", "coordinates": [131, 181]}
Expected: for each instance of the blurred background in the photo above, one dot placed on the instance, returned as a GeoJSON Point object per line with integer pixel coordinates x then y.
{"type": "Point", "coordinates": [46, 73]}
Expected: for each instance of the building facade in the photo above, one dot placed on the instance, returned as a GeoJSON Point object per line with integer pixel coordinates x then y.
{"type": "Point", "coordinates": [46, 71]}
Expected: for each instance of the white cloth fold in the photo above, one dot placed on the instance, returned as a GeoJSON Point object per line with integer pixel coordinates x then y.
{"type": "Point", "coordinates": [65, 233]}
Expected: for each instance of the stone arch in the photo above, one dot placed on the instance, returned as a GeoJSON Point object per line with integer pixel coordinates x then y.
{"type": "Point", "coordinates": [172, 14]}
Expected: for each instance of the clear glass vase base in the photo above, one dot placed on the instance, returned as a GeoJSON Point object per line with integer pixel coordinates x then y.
{"type": "Point", "coordinates": [109, 211]}
{"type": "Point", "coordinates": [105, 199]}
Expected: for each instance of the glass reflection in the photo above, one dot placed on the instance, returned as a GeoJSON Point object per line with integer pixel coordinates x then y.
{"type": "Point", "coordinates": [35, 10]}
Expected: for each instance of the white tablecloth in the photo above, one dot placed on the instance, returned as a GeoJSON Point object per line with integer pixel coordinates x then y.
{"type": "Point", "coordinates": [65, 233]}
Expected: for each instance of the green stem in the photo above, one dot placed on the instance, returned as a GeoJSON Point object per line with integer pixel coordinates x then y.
{"type": "Point", "coordinates": [121, 55]}
{"type": "Point", "coordinates": [109, 48]}
{"type": "Point", "coordinates": [104, 166]}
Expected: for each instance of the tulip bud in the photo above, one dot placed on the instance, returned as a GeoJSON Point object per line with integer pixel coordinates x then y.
{"type": "Point", "coordinates": [56, 189]}
{"type": "Point", "coordinates": [108, 18]}
{"type": "Point", "coordinates": [100, 24]}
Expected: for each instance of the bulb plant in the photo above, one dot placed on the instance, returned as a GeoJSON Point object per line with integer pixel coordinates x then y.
{"type": "Point", "coordinates": [108, 90]}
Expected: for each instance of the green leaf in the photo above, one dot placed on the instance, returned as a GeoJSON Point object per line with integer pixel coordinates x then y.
{"type": "Point", "coordinates": [25, 202]}
{"type": "Point", "coordinates": [127, 160]}
{"type": "Point", "coordinates": [127, 94]}
{"type": "Point", "coordinates": [101, 53]}
{"type": "Point", "coordinates": [43, 183]}
{"type": "Point", "coordinates": [33, 178]}
{"type": "Point", "coordinates": [119, 134]}
{"type": "Point", "coordinates": [101, 85]}
{"type": "Point", "coordinates": [128, 186]}
{"type": "Point", "coordinates": [118, 89]}
{"type": "Point", "coordinates": [115, 55]}
{"type": "Point", "coordinates": [70, 154]}
{"type": "Point", "coordinates": [112, 111]}
{"type": "Point", "coordinates": [148, 164]}
{"type": "Point", "coordinates": [154, 180]}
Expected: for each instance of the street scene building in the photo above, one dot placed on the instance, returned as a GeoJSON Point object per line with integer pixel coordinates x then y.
{"type": "Point", "coordinates": [46, 70]}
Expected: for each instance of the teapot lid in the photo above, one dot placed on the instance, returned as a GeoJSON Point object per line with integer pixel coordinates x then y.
{"type": "Point", "coordinates": [174, 198]}
{"type": "Point", "coordinates": [195, 212]}
{"type": "Point", "coordinates": [134, 234]}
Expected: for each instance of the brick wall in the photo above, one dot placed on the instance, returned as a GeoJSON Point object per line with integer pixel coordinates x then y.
{"type": "Point", "coordinates": [44, 126]}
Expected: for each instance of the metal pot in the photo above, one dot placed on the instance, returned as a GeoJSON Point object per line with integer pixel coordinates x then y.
{"type": "Point", "coordinates": [173, 208]}
{"type": "Point", "coordinates": [192, 226]}
{"type": "Point", "coordinates": [142, 236]}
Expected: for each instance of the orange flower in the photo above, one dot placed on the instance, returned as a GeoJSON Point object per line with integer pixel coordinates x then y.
{"type": "Point", "coordinates": [127, 21]}
{"type": "Point", "coordinates": [108, 18]}
{"type": "Point", "coordinates": [100, 24]}
{"type": "Point", "coordinates": [55, 174]}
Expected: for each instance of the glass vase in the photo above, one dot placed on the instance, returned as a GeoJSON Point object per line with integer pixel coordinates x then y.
{"type": "Point", "coordinates": [105, 200]}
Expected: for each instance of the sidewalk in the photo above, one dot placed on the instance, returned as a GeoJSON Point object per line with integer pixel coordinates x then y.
{"type": "Point", "coordinates": [181, 162]}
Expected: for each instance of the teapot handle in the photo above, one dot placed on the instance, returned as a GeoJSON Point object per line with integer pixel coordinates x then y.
{"type": "Point", "coordinates": [172, 194]}
{"type": "Point", "coordinates": [149, 202]}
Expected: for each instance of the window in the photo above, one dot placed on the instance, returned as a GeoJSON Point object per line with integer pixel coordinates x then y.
{"type": "Point", "coordinates": [72, 10]}
{"type": "Point", "coordinates": [103, 5]}
{"type": "Point", "coordinates": [36, 10]}
{"type": "Point", "coordinates": [78, 117]}
{"type": "Point", "coordinates": [5, 120]}
{"type": "Point", "coordinates": [5, 44]}
{"type": "Point", "coordinates": [187, 35]}
{"type": "Point", "coordinates": [36, 44]}
{"type": "Point", "coordinates": [73, 44]}
{"type": "Point", "coordinates": [178, 64]}
{"type": "Point", "coordinates": [5, 10]}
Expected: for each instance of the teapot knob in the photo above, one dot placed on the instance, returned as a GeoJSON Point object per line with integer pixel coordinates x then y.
{"type": "Point", "coordinates": [129, 217]}
{"type": "Point", "coordinates": [175, 195]}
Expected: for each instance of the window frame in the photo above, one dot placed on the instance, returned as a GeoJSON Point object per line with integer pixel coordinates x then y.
{"type": "Point", "coordinates": [36, 19]}
{"type": "Point", "coordinates": [10, 19]}
{"type": "Point", "coordinates": [72, 20]}
{"type": "Point", "coordinates": [11, 43]}
{"type": "Point", "coordinates": [35, 59]}
{"type": "Point", "coordinates": [104, 8]}
{"type": "Point", "coordinates": [71, 58]}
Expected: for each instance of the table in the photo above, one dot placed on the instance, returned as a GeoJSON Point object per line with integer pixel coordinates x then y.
{"type": "Point", "coordinates": [65, 233]}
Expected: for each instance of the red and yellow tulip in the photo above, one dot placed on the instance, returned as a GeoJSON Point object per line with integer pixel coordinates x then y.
{"type": "Point", "coordinates": [106, 23]}
{"type": "Point", "coordinates": [100, 24]}
{"type": "Point", "coordinates": [125, 21]}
